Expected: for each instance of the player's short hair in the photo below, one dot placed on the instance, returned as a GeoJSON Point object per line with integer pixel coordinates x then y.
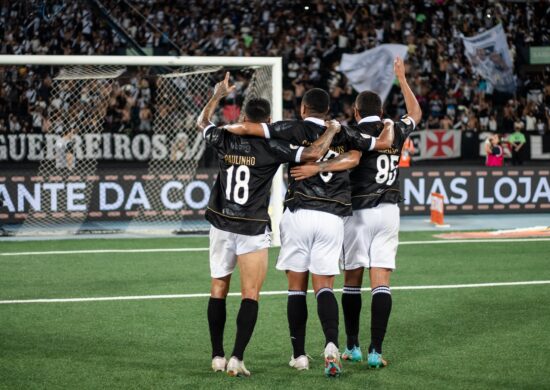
{"type": "Point", "coordinates": [368, 103]}
{"type": "Point", "coordinates": [316, 100]}
{"type": "Point", "coordinates": [257, 110]}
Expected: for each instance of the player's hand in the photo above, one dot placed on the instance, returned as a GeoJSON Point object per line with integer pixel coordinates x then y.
{"type": "Point", "coordinates": [399, 67]}
{"type": "Point", "coordinates": [304, 171]}
{"type": "Point", "coordinates": [223, 88]}
{"type": "Point", "coordinates": [333, 125]}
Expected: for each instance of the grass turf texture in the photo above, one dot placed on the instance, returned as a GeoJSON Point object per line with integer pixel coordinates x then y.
{"type": "Point", "coordinates": [451, 338]}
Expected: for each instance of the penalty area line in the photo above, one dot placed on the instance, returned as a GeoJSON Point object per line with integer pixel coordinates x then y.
{"type": "Point", "coordinates": [283, 292]}
{"type": "Point", "coordinates": [168, 250]}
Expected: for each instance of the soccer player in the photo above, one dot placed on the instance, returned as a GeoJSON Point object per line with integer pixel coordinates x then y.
{"type": "Point", "coordinates": [371, 234]}
{"type": "Point", "coordinates": [312, 227]}
{"type": "Point", "coordinates": [237, 210]}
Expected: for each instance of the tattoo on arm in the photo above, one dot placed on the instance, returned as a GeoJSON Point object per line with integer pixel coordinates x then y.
{"type": "Point", "coordinates": [343, 162]}
{"type": "Point", "coordinates": [318, 148]}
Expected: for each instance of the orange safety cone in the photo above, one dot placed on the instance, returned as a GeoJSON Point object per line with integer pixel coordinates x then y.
{"type": "Point", "coordinates": [437, 209]}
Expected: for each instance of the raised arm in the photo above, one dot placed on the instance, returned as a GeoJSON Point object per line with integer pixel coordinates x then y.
{"type": "Point", "coordinates": [221, 90]}
{"type": "Point", "coordinates": [319, 148]}
{"type": "Point", "coordinates": [413, 108]}
{"type": "Point", "coordinates": [385, 139]}
{"type": "Point", "coordinates": [343, 162]}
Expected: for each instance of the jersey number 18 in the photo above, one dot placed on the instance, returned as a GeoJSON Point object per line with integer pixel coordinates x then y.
{"type": "Point", "coordinates": [240, 190]}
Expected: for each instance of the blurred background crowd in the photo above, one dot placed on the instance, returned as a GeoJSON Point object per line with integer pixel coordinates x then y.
{"type": "Point", "coordinates": [311, 36]}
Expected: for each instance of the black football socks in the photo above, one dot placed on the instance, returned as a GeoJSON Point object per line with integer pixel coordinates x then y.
{"type": "Point", "coordinates": [327, 309]}
{"type": "Point", "coordinates": [380, 314]}
{"type": "Point", "coordinates": [296, 310]}
{"type": "Point", "coordinates": [246, 321]}
{"type": "Point", "coordinates": [216, 324]}
{"type": "Point", "coordinates": [351, 305]}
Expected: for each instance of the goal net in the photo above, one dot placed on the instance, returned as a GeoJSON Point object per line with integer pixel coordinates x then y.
{"type": "Point", "coordinates": [116, 148]}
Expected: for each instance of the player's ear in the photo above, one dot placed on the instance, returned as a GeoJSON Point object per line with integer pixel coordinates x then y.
{"type": "Point", "coordinates": [302, 110]}
{"type": "Point", "coordinates": [356, 114]}
{"type": "Point", "coordinates": [268, 120]}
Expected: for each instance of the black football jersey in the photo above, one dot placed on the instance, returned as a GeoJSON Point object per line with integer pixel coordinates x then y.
{"type": "Point", "coordinates": [376, 179]}
{"type": "Point", "coordinates": [330, 191]}
{"type": "Point", "coordinates": [240, 196]}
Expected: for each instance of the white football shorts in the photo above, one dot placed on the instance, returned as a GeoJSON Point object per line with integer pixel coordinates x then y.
{"type": "Point", "coordinates": [310, 241]}
{"type": "Point", "coordinates": [226, 246]}
{"type": "Point", "coordinates": [371, 237]}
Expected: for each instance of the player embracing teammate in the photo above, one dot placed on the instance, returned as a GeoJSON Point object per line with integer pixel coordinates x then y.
{"type": "Point", "coordinates": [371, 233]}
{"type": "Point", "coordinates": [317, 222]}
{"type": "Point", "coordinates": [237, 211]}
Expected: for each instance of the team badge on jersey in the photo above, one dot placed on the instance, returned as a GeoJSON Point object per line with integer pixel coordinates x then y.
{"type": "Point", "coordinates": [405, 119]}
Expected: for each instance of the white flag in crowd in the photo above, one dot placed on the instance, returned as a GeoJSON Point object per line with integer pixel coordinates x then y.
{"type": "Point", "coordinates": [490, 58]}
{"type": "Point", "coordinates": [372, 69]}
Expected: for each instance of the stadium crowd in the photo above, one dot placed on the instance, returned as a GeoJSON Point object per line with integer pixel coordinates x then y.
{"type": "Point", "coordinates": [310, 36]}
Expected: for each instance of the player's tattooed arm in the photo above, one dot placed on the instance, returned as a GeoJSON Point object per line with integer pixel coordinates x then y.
{"type": "Point", "coordinates": [413, 108]}
{"type": "Point", "coordinates": [221, 90]}
{"type": "Point", "coordinates": [320, 147]}
{"type": "Point", "coordinates": [343, 162]}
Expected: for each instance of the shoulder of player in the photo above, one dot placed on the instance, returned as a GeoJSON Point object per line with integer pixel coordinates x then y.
{"type": "Point", "coordinates": [370, 128]}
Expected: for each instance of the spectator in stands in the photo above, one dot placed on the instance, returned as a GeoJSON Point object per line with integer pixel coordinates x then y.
{"type": "Point", "coordinates": [13, 124]}
{"type": "Point", "coordinates": [494, 152]}
{"type": "Point", "coordinates": [493, 125]}
{"type": "Point", "coordinates": [516, 141]}
{"type": "Point", "coordinates": [446, 123]}
{"type": "Point", "coordinates": [529, 116]}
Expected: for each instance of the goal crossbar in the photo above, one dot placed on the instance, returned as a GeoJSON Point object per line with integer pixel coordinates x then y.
{"type": "Point", "coordinates": [275, 62]}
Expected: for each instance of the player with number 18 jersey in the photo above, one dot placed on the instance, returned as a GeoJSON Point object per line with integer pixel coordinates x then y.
{"type": "Point", "coordinates": [237, 210]}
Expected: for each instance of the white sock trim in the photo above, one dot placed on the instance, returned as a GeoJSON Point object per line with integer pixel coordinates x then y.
{"type": "Point", "coordinates": [296, 292]}
{"type": "Point", "coordinates": [324, 289]}
{"type": "Point", "coordinates": [351, 290]}
{"type": "Point", "coordinates": [381, 290]}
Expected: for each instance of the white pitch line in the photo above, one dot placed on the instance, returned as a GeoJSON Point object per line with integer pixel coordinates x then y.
{"type": "Point", "coordinates": [480, 240]}
{"type": "Point", "coordinates": [166, 250]}
{"type": "Point", "coordinates": [282, 292]}
{"type": "Point", "coordinates": [93, 251]}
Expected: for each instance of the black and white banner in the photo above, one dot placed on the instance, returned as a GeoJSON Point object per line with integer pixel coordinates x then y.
{"type": "Point", "coordinates": [105, 146]}
{"type": "Point", "coordinates": [478, 190]}
{"type": "Point", "coordinates": [124, 195]}
{"type": "Point", "coordinates": [429, 145]}
{"type": "Point", "coordinates": [113, 196]}
{"type": "Point", "coordinates": [372, 70]}
{"type": "Point", "coordinates": [490, 57]}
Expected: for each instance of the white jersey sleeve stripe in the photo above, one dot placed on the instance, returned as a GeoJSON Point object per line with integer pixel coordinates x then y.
{"type": "Point", "coordinates": [211, 125]}
{"type": "Point", "coordinates": [266, 130]}
{"type": "Point", "coordinates": [299, 154]}
{"type": "Point", "coordinates": [372, 144]}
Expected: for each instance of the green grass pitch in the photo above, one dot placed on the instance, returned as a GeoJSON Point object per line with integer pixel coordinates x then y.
{"type": "Point", "coordinates": [468, 338]}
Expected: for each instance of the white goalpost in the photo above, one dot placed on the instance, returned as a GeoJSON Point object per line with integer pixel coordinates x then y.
{"type": "Point", "coordinates": [82, 105]}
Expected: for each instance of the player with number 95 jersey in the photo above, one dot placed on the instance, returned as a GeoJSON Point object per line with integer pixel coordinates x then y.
{"type": "Point", "coordinates": [371, 233]}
